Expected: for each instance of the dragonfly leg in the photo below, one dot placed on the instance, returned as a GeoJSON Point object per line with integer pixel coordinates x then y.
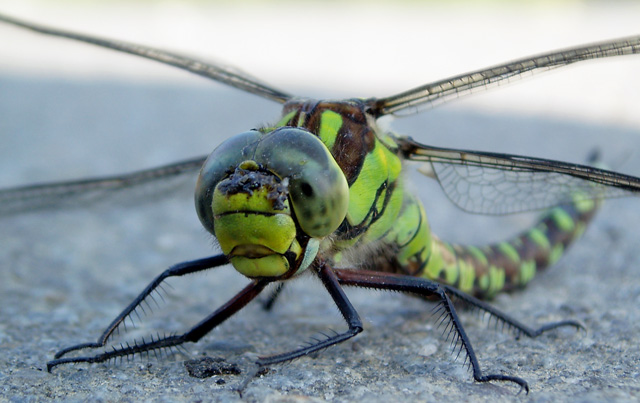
{"type": "Point", "coordinates": [177, 270]}
{"type": "Point", "coordinates": [267, 305]}
{"type": "Point", "coordinates": [347, 310]}
{"type": "Point", "coordinates": [511, 322]}
{"type": "Point", "coordinates": [433, 291]}
{"type": "Point", "coordinates": [180, 269]}
{"type": "Point", "coordinates": [232, 306]}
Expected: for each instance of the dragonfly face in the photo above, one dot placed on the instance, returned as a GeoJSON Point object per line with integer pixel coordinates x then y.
{"type": "Point", "coordinates": [270, 197]}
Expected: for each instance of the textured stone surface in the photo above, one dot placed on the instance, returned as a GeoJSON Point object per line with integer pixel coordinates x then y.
{"type": "Point", "coordinates": [67, 274]}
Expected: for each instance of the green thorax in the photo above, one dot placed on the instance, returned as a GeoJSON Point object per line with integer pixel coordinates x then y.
{"type": "Point", "coordinates": [368, 158]}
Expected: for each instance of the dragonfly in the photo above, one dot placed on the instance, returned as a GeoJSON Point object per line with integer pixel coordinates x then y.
{"type": "Point", "coordinates": [321, 192]}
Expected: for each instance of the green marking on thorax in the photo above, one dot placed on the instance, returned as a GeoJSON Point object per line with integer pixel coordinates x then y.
{"type": "Point", "coordinates": [406, 225]}
{"type": "Point", "coordinates": [285, 119]}
{"type": "Point", "coordinates": [330, 124]}
{"type": "Point", "coordinates": [379, 166]}
{"type": "Point", "coordinates": [388, 140]}
{"type": "Point", "coordinates": [302, 119]}
{"type": "Point", "coordinates": [387, 220]}
{"type": "Point", "coordinates": [411, 232]}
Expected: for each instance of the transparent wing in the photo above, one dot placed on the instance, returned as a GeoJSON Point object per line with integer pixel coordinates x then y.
{"type": "Point", "coordinates": [84, 192]}
{"type": "Point", "coordinates": [454, 87]}
{"type": "Point", "coordinates": [492, 183]}
{"type": "Point", "coordinates": [223, 74]}
{"type": "Point", "coordinates": [432, 93]}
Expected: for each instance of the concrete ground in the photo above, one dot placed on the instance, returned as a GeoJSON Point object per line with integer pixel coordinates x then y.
{"type": "Point", "coordinates": [66, 274]}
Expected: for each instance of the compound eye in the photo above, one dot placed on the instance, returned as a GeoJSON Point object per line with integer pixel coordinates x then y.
{"type": "Point", "coordinates": [220, 162]}
{"type": "Point", "coordinates": [317, 186]}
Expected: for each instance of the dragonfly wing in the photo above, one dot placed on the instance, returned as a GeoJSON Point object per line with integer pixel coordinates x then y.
{"type": "Point", "coordinates": [493, 183]}
{"type": "Point", "coordinates": [55, 195]}
{"type": "Point", "coordinates": [222, 74]}
{"type": "Point", "coordinates": [435, 93]}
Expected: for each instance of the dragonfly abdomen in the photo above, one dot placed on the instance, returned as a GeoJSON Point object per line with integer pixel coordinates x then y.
{"type": "Point", "coordinates": [503, 266]}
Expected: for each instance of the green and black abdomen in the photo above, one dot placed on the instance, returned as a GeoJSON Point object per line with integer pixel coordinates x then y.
{"type": "Point", "coordinates": [485, 271]}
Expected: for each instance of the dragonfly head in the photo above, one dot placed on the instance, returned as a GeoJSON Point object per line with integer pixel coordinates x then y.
{"type": "Point", "coordinates": [269, 198]}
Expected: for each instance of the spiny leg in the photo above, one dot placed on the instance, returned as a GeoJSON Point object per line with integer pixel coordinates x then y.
{"type": "Point", "coordinates": [519, 327]}
{"type": "Point", "coordinates": [331, 283]}
{"type": "Point", "coordinates": [236, 303]}
{"type": "Point", "coordinates": [432, 290]}
{"type": "Point", "coordinates": [267, 305]}
{"type": "Point", "coordinates": [350, 315]}
{"type": "Point", "coordinates": [177, 270]}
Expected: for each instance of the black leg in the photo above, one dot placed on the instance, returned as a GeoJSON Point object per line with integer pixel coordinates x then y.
{"type": "Point", "coordinates": [268, 304]}
{"type": "Point", "coordinates": [177, 270]}
{"type": "Point", "coordinates": [515, 324]}
{"type": "Point", "coordinates": [347, 310]}
{"type": "Point", "coordinates": [220, 315]}
{"type": "Point", "coordinates": [433, 290]}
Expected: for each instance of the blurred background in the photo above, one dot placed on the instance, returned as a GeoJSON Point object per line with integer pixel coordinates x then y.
{"type": "Point", "coordinates": [360, 48]}
{"type": "Point", "coordinates": [69, 110]}
{"type": "Point", "coordinates": [94, 112]}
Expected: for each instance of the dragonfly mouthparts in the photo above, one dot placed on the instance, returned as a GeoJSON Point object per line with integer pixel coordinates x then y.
{"type": "Point", "coordinates": [252, 251]}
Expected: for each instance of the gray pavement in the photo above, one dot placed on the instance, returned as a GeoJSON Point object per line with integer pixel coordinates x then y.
{"type": "Point", "coordinates": [67, 274]}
